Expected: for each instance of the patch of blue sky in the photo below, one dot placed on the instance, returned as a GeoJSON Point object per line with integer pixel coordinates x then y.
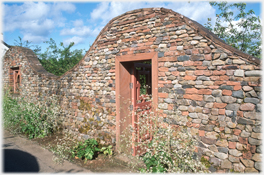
{"type": "Point", "coordinates": [81, 22]}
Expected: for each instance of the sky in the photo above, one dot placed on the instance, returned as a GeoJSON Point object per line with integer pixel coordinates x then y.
{"type": "Point", "coordinates": [81, 22]}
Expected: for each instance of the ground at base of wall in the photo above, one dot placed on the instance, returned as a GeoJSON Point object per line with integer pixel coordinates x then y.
{"type": "Point", "coordinates": [100, 164]}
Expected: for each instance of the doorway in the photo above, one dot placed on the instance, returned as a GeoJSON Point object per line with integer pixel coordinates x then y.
{"type": "Point", "coordinates": [136, 83]}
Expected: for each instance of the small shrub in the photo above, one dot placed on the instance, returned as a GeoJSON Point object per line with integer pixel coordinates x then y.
{"type": "Point", "coordinates": [86, 150]}
{"type": "Point", "coordinates": [107, 150]}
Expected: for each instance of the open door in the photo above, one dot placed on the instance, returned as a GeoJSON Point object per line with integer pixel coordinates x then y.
{"type": "Point", "coordinates": [135, 81]}
{"type": "Point", "coordinates": [142, 106]}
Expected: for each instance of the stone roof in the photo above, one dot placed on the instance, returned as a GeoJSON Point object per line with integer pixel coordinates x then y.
{"type": "Point", "coordinates": [198, 27]}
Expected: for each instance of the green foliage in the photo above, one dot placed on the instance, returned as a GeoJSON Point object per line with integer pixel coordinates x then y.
{"type": "Point", "coordinates": [157, 163]}
{"type": "Point", "coordinates": [36, 49]}
{"type": "Point", "coordinates": [244, 34]}
{"type": "Point", "coordinates": [205, 162]}
{"type": "Point", "coordinates": [58, 60]}
{"type": "Point", "coordinates": [34, 120]}
{"type": "Point", "coordinates": [86, 150]}
{"type": "Point", "coordinates": [107, 150]}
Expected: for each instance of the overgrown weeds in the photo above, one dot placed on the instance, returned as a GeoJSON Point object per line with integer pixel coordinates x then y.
{"type": "Point", "coordinates": [161, 146]}
{"type": "Point", "coordinates": [36, 120]}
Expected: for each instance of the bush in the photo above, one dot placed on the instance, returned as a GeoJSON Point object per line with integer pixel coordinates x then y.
{"type": "Point", "coordinates": [34, 120]}
{"type": "Point", "coordinates": [86, 150]}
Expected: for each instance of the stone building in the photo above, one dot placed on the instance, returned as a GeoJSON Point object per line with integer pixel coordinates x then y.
{"type": "Point", "coordinates": [214, 88]}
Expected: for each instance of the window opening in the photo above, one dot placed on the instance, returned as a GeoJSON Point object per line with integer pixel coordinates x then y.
{"type": "Point", "coordinates": [15, 79]}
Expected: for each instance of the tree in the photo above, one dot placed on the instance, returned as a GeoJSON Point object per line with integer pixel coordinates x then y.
{"type": "Point", "coordinates": [36, 49]}
{"type": "Point", "coordinates": [241, 30]}
{"type": "Point", "coordinates": [59, 60]}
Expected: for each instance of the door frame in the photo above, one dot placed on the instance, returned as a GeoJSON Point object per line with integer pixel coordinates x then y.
{"type": "Point", "coordinates": [153, 56]}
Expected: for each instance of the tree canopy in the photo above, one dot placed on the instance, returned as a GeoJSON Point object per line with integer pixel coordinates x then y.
{"type": "Point", "coordinates": [59, 60]}
{"type": "Point", "coordinates": [56, 59]}
{"type": "Point", "coordinates": [237, 27]}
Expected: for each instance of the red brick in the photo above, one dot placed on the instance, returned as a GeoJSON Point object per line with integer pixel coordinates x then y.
{"type": "Point", "coordinates": [201, 133]}
{"type": "Point", "coordinates": [152, 39]}
{"type": "Point", "coordinates": [188, 63]}
{"type": "Point", "coordinates": [196, 125]}
{"type": "Point", "coordinates": [175, 73]}
{"type": "Point", "coordinates": [219, 105]}
{"type": "Point", "coordinates": [232, 145]}
{"type": "Point", "coordinates": [219, 72]}
{"type": "Point", "coordinates": [224, 77]}
{"type": "Point", "coordinates": [160, 64]}
{"type": "Point", "coordinates": [246, 154]}
{"type": "Point", "coordinates": [160, 85]}
{"type": "Point", "coordinates": [189, 72]}
{"type": "Point", "coordinates": [236, 88]}
{"type": "Point", "coordinates": [195, 51]}
{"type": "Point", "coordinates": [193, 97]}
{"type": "Point", "coordinates": [163, 95]}
{"type": "Point", "coordinates": [161, 74]}
{"type": "Point", "coordinates": [207, 72]}
{"type": "Point", "coordinates": [197, 63]}
{"type": "Point", "coordinates": [221, 111]}
{"type": "Point", "coordinates": [170, 107]}
{"type": "Point", "coordinates": [218, 82]}
{"type": "Point", "coordinates": [191, 91]}
{"type": "Point", "coordinates": [226, 92]}
{"type": "Point", "coordinates": [205, 91]}
{"type": "Point", "coordinates": [251, 148]}
{"type": "Point", "coordinates": [168, 54]}
{"type": "Point", "coordinates": [208, 57]}
{"type": "Point", "coordinates": [240, 113]}
{"type": "Point", "coordinates": [237, 131]}
{"type": "Point", "coordinates": [201, 67]}
{"type": "Point", "coordinates": [243, 140]}
{"type": "Point", "coordinates": [167, 59]}
{"type": "Point", "coordinates": [232, 83]}
{"type": "Point", "coordinates": [213, 78]}
{"type": "Point", "coordinates": [170, 25]}
{"type": "Point", "coordinates": [163, 69]}
{"type": "Point", "coordinates": [189, 77]}
{"type": "Point", "coordinates": [164, 82]}
{"type": "Point", "coordinates": [213, 87]}
{"type": "Point", "coordinates": [184, 113]}
{"type": "Point", "coordinates": [199, 72]}
{"type": "Point", "coordinates": [173, 48]}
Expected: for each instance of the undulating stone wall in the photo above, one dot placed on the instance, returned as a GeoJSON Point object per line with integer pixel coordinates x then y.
{"type": "Point", "coordinates": [204, 85]}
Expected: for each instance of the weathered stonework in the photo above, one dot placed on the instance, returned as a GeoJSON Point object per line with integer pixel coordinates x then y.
{"type": "Point", "coordinates": [214, 87]}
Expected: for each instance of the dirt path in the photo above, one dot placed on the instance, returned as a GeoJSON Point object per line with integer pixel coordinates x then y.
{"type": "Point", "coordinates": [23, 155]}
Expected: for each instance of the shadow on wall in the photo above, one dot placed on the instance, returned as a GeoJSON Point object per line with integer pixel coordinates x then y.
{"type": "Point", "coordinates": [19, 161]}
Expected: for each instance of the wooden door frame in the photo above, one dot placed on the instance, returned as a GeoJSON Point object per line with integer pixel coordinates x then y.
{"type": "Point", "coordinates": [153, 56]}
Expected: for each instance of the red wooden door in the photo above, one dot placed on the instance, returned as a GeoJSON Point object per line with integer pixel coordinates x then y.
{"type": "Point", "coordinates": [141, 101]}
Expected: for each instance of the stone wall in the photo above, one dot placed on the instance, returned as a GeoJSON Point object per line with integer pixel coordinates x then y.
{"type": "Point", "coordinates": [204, 85]}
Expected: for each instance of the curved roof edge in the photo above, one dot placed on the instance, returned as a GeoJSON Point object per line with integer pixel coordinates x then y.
{"type": "Point", "coordinates": [199, 28]}
{"type": "Point", "coordinates": [33, 61]}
